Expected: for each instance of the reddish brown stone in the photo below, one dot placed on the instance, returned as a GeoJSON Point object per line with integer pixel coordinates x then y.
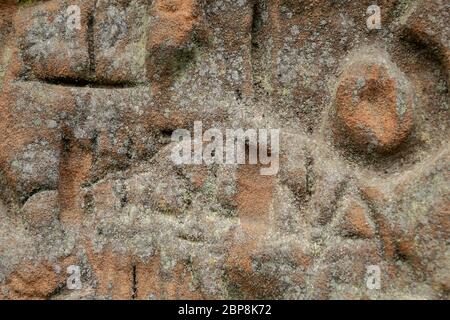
{"type": "Point", "coordinates": [86, 119]}
{"type": "Point", "coordinates": [374, 110]}
{"type": "Point", "coordinates": [355, 223]}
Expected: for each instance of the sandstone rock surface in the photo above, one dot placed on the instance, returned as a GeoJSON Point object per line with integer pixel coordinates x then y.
{"type": "Point", "coordinates": [86, 180]}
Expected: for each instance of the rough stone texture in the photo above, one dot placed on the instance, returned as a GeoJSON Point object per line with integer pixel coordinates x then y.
{"type": "Point", "coordinates": [85, 175]}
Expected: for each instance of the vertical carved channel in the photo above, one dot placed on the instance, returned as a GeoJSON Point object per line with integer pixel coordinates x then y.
{"type": "Point", "coordinates": [265, 37]}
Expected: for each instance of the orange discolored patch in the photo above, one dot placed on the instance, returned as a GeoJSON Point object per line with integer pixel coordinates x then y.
{"type": "Point", "coordinates": [114, 274]}
{"type": "Point", "coordinates": [49, 49]}
{"type": "Point", "coordinates": [177, 27]}
{"type": "Point", "coordinates": [374, 110]}
{"type": "Point", "coordinates": [179, 16]}
{"type": "Point", "coordinates": [75, 167]}
{"type": "Point", "coordinates": [253, 200]}
{"type": "Point", "coordinates": [7, 11]}
{"type": "Point", "coordinates": [36, 281]}
{"type": "Point", "coordinates": [356, 224]}
{"type": "Point", "coordinates": [153, 283]}
{"type": "Point", "coordinates": [125, 276]}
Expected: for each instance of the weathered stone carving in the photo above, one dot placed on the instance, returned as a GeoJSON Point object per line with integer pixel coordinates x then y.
{"type": "Point", "coordinates": [86, 178]}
